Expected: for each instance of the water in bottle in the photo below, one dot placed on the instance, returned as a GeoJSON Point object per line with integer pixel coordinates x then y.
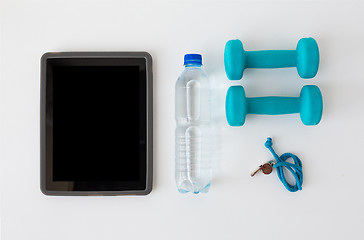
{"type": "Point", "coordinates": [193, 171]}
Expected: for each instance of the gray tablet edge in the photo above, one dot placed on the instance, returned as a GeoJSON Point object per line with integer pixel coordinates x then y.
{"type": "Point", "coordinates": [149, 97]}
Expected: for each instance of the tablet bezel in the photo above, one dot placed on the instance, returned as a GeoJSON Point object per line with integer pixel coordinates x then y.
{"type": "Point", "coordinates": [63, 188]}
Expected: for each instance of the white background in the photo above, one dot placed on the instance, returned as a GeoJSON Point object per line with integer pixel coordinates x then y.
{"type": "Point", "coordinates": [330, 206]}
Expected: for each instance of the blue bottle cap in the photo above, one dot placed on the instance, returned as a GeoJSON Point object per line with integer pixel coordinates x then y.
{"type": "Point", "coordinates": [193, 59]}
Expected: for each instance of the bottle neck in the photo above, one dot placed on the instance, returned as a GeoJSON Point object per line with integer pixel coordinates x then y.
{"type": "Point", "coordinates": [192, 65]}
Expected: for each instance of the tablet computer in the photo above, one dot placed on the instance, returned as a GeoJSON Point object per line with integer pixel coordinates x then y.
{"type": "Point", "coordinates": [96, 123]}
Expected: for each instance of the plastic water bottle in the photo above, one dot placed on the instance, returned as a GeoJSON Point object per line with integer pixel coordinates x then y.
{"type": "Point", "coordinates": [193, 171]}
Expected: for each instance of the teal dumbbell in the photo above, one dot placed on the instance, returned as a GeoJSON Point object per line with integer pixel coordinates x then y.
{"type": "Point", "coordinates": [309, 105]}
{"type": "Point", "coordinates": [305, 58]}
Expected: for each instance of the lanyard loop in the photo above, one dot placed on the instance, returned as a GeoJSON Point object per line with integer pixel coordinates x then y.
{"type": "Point", "coordinates": [295, 169]}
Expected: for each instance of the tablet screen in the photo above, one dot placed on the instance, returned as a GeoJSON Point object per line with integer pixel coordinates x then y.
{"type": "Point", "coordinates": [96, 124]}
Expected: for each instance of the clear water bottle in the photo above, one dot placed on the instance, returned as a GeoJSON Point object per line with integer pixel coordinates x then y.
{"type": "Point", "coordinates": [193, 171]}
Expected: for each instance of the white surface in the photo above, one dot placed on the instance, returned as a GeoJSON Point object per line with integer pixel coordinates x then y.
{"type": "Point", "coordinates": [238, 206]}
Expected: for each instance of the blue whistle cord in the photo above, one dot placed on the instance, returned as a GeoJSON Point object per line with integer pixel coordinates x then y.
{"type": "Point", "coordinates": [295, 169]}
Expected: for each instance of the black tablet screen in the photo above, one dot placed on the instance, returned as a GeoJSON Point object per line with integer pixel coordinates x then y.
{"type": "Point", "coordinates": [95, 123]}
{"type": "Point", "coordinates": [98, 123]}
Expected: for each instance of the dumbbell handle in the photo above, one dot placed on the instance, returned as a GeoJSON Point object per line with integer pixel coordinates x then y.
{"type": "Point", "coordinates": [271, 59]}
{"type": "Point", "coordinates": [273, 105]}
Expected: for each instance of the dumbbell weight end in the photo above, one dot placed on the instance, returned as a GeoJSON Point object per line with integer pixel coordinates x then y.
{"type": "Point", "coordinates": [311, 105]}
